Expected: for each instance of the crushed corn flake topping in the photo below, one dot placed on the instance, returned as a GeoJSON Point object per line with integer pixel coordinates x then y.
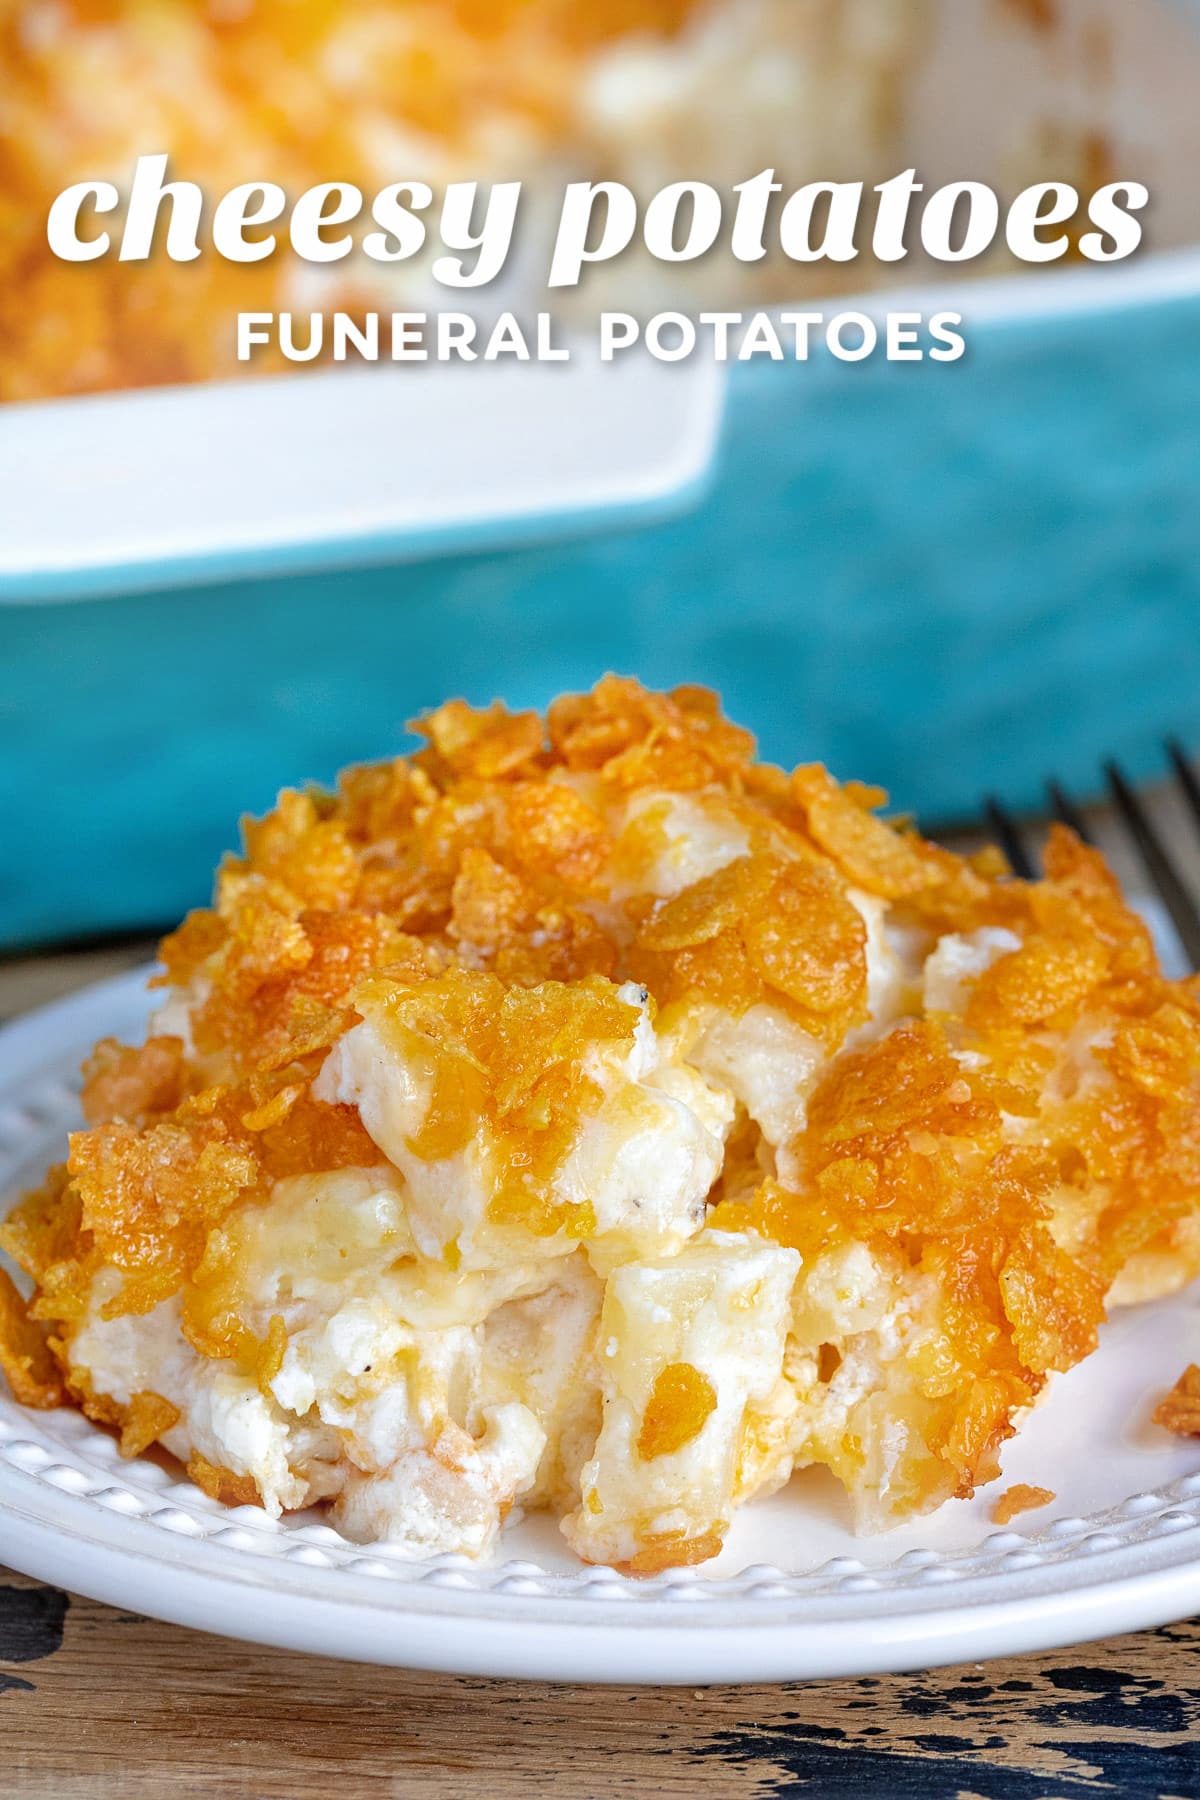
{"type": "Point", "coordinates": [223, 1484]}
{"type": "Point", "coordinates": [1179, 1411]}
{"type": "Point", "coordinates": [1018, 1499]}
{"type": "Point", "coordinates": [147, 1419]}
{"type": "Point", "coordinates": [998, 1165]}
{"type": "Point", "coordinates": [681, 1402]}
{"type": "Point", "coordinates": [25, 1355]}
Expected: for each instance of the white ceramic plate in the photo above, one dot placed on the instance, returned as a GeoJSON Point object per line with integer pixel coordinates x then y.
{"type": "Point", "coordinates": [793, 1594]}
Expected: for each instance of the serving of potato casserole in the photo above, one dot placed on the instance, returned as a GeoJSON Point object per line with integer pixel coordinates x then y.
{"type": "Point", "coordinates": [581, 1115]}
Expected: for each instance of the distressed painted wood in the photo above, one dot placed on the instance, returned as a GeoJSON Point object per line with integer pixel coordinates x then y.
{"type": "Point", "coordinates": [96, 1703]}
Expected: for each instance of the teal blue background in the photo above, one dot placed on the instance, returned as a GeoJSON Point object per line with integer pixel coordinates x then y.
{"type": "Point", "coordinates": [951, 579]}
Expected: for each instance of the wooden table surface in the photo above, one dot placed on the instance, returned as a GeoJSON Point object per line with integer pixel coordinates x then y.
{"type": "Point", "coordinates": [100, 1703]}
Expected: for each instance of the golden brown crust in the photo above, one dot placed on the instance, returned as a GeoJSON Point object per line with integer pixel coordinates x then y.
{"type": "Point", "coordinates": [270, 1357]}
{"type": "Point", "coordinates": [1018, 1499]}
{"type": "Point", "coordinates": [148, 1418]}
{"type": "Point", "coordinates": [222, 1484]}
{"type": "Point", "coordinates": [674, 1551]}
{"type": "Point", "coordinates": [1179, 1411]}
{"type": "Point", "coordinates": [25, 1354]}
{"type": "Point", "coordinates": [135, 1084]}
{"type": "Point", "coordinates": [680, 1404]}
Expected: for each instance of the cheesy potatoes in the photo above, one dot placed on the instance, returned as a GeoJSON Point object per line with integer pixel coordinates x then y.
{"type": "Point", "coordinates": [581, 1115]}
